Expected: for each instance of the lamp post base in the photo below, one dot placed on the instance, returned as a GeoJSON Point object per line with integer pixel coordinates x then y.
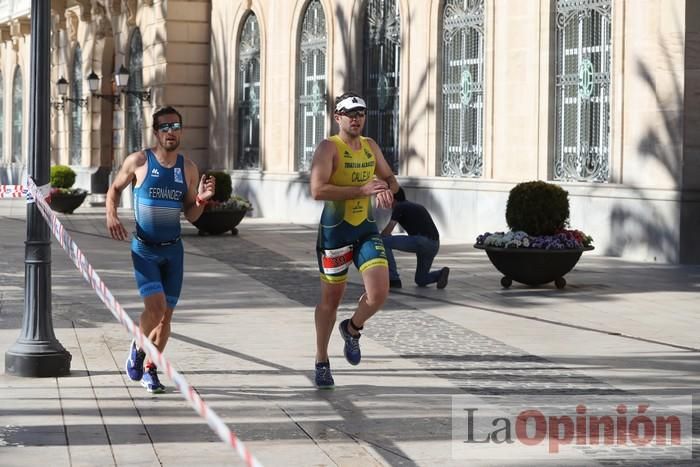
{"type": "Point", "coordinates": [37, 359]}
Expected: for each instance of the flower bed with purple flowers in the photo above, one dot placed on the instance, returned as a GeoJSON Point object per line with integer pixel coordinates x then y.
{"type": "Point", "coordinates": [562, 240]}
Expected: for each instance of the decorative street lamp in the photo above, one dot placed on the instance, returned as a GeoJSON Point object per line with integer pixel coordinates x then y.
{"type": "Point", "coordinates": [121, 81]}
{"type": "Point", "coordinates": [62, 85]}
{"type": "Point", "coordinates": [94, 84]}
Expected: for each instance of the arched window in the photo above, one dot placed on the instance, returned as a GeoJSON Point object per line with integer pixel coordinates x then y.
{"type": "Point", "coordinates": [249, 95]}
{"type": "Point", "coordinates": [583, 64]}
{"type": "Point", "coordinates": [311, 85]}
{"type": "Point", "coordinates": [382, 52]}
{"type": "Point", "coordinates": [462, 89]}
{"type": "Point", "coordinates": [76, 127]}
{"type": "Point", "coordinates": [17, 116]}
{"type": "Point", "coordinates": [134, 109]}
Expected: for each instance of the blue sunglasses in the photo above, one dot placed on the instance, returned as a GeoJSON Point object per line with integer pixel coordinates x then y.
{"type": "Point", "coordinates": [165, 127]}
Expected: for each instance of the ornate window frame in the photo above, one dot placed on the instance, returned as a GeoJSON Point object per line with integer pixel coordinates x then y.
{"type": "Point", "coordinates": [75, 155]}
{"type": "Point", "coordinates": [583, 90]}
{"type": "Point", "coordinates": [248, 95]}
{"type": "Point", "coordinates": [311, 84]}
{"type": "Point", "coordinates": [17, 151]}
{"type": "Point", "coordinates": [463, 83]}
{"type": "Point", "coordinates": [381, 40]}
{"type": "Point", "coordinates": [134, 104]}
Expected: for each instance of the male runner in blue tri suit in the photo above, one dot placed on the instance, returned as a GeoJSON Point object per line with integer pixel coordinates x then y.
{"type": "Point", "coordinates": [347, 170]}
{"type": "Point", "coordinates": [164, 185]}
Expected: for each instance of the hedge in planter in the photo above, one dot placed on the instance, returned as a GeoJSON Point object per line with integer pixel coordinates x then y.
{"type": "Point", "coordinates": [538, 249]}
{"type": "Point", "coordinates": [538, 208]}
{"type": "Point", "coordinates": [63, 197]}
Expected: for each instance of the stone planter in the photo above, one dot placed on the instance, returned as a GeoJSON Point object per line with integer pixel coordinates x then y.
{"type": "Point", "coordinates": [67, 203]}
{"type": "Point", "coordinates": [532, 266]}
{"type": "Point", "coordinates": [217, 222]}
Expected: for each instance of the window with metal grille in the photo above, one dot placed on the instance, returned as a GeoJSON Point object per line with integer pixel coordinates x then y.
{"type": "Point", "coordinates": [134, 109]}
{"type": "Point", "coordinates": [380, 85]}
{"type": "Point", "coordinates": [584, 59]}
{"type": "Point", "coordinates": [76, 127]}
{"type": "Point", "coordinates": [17, 117]}
{"type": "Point", "coordinates": [311, 85]}
{"type": "Point", "coordinates": [462, 89]}
{"type": "Point", "coordinates": [248, 156]}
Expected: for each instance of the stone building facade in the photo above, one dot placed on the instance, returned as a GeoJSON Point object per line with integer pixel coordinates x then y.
{"type": "Point", "coordinates": [467, 98]}
{"type": "Point", "coordinates": [164, 46]}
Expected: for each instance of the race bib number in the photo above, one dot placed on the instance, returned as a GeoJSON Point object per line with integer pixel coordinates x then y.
{"type": "Point", "coordinates": [336, 260]}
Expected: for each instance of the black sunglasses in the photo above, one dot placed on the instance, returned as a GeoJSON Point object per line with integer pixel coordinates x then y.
{"type": "Point", "coordinates": [165, 127]}
{"type": "Point", "coordinates": [354, 114]}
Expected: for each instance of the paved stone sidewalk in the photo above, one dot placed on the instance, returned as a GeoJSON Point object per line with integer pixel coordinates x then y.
{"type": "Point", "coordinates": [243, 336]}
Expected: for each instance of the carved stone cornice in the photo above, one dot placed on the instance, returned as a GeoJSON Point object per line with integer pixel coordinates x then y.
{"type": "Point", "coordinates": [115, 7]}
{"type": "Point", "coordinates": [72, 22]}
{"type": "Point", "coordinates": [19, 28]}
{"type": "Point", "coordinates": [58, 6]}
{"type": "Point", "coordinates": [85, 8]}
{"type": "Point", "coordinates": [132, 7]}
{"type": "Point", "coordinates": [58, 19]}
{"type": "Point", "coordinates": [131, 10]}
{"type": "Point", "coordinates": [101, 22]}
{"type": "Point", "coordinates": [4, 33]}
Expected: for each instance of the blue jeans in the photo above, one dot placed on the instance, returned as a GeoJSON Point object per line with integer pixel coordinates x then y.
{"type": "Point", "coordinates": [425, 250]}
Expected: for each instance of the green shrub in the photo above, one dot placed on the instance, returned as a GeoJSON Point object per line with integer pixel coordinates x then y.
{"type": "Point", "coordinates": [62, 176]}
{"type": "Point", "coordinates": [223, 188]}
{"type": "Point", "coordinates": [538, 208]}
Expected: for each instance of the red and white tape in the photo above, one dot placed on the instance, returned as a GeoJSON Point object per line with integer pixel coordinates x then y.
{"type": "Point", "coordinates": [91, 276]}
{"type": "Point", "coordinates": [12, 191]}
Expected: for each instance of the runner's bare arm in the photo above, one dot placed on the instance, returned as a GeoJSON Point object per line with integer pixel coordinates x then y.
{"type": "Point", "coordinates": [124, 177]}
{"type": "Point", "coordinates": [199, 190]}
{"type": "Point", "coordinates": [384, 172]}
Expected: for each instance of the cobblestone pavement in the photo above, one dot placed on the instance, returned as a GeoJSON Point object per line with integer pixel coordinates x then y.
{"type": "Point", "coordinates": [606, 334]}
{"type": "Point", "coordinates": [474, 363]}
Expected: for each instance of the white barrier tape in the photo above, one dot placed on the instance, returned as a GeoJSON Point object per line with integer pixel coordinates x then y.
{"type": "Point", "coordinates": [91, 276]}
{"type": "Point", "coordinates": [44, 191]}
{"type": "Point", "coordinates": [20, 191]}
{"type": "Point", "coordinates": [12, 191]}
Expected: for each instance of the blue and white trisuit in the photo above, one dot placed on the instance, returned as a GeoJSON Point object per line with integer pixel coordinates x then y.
{"type": "Point", "coordinates": [156, 249]}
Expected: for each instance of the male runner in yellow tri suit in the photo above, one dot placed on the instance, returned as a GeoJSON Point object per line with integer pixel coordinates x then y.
{"type": "Point", "coordinates": [347, 170]}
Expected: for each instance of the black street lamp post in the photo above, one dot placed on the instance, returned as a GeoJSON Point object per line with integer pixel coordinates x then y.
{"type": "Point", "coordinates": [37, 352]}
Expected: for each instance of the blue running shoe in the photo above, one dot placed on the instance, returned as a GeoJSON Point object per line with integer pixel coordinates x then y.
{"type": "Point", "coordinates": [351, 350]}
{"type": "Point", "coordinates": [134, 363]}
{"type": "Point", "coordinates": [151, 382]}
{"type": "Point", "coordinates": [324, 378]}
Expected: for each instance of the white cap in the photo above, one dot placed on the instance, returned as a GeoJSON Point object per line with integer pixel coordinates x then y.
{"type": "Point", "coordinates": [350, 103]}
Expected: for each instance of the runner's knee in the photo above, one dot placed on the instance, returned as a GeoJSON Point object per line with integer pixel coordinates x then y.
{"type": "Point", "coordinates": [156, 308]}
{"type": "Point", "coordinates": [375, 297]}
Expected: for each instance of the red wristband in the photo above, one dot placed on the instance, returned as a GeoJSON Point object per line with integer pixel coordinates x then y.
{"type": "Point", "coordinates": [199, 200]}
